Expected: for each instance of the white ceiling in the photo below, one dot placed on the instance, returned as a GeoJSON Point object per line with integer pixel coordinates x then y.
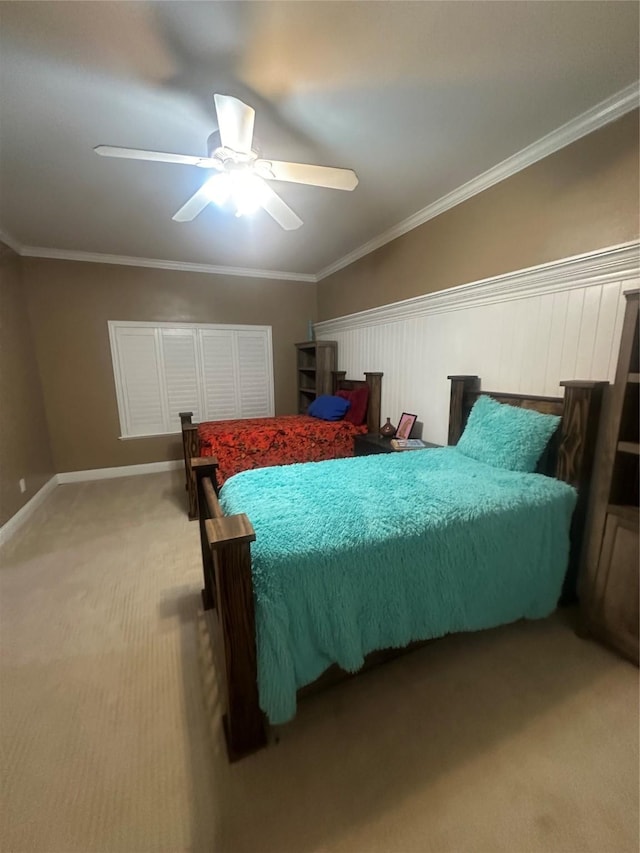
{"type": "Point", "coordinates": [417, 97]}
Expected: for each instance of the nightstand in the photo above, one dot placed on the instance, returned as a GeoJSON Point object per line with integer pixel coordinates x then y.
{"type": "Point", "coordinates": [371, 442]}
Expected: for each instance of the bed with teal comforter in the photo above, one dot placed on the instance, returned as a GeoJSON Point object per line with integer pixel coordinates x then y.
{"type": "Point", "coordinates": [353, 555]}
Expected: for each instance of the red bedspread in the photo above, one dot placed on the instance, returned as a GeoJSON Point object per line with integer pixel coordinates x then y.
{"type": "Point", "coordinates": [260, 442]}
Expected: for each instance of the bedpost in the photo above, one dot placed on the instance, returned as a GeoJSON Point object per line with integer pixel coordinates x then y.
{"type": "Point", "coordinates": [185, 420]}
{"type": "Point", "coordinates": [374, 381]}
{"type": "Point", "coordinates": [191, 450]}
{"type": "Point", "coordinates": [230, 540]}
{"type": "Point", "coordinates": [580, 419]}
{"type": "Point", "coordinates": [338, 377]}
{"type": "Point", "coordinates": [205, 470]}
{"type": "Point", "coordinates": [460, 385]}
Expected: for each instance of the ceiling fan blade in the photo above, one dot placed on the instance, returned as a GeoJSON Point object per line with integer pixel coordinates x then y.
{"type": "Point", "coordinates": [278, 209]}
{"type": "Point", "coordinates": [158, 156]}
{"type": "Point", "coordinates": [195, 205]}
{"type": "Point", "coordinates": [235, 123]}
{"type": "Point", "coordinates": [301, 173]}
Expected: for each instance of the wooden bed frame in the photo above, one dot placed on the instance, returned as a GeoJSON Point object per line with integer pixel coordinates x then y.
{"type": "Point", "coordinates": [226, 542]}
{"type": "Point", "coordinates": [191, 440]}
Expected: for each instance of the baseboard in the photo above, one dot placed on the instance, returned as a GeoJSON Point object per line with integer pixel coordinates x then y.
{"type": "Point", "coordinates": [121, 471]}
{"type": "Point", "coordinates": [16, 521]}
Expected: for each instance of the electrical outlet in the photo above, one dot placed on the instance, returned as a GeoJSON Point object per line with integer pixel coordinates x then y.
{"type": "Point", "coordinates": [23, 485]}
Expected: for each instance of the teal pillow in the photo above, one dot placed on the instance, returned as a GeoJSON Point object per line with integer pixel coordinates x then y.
{"type": "Point", "coordinates": [506, 436]}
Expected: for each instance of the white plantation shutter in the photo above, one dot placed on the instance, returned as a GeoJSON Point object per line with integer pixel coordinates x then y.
{"type": "Point", "coordinates": [216, 372]}
{"type": "Point", "coordinates": [141, 385]}
{"type": "Point", "coordinates": [220, 379]}
{"type": "Point", "coordinates": [253, 374]}
{"type": "Point", "coordinates": [181, 374]}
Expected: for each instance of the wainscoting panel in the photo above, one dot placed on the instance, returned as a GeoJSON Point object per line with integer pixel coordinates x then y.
{"type": "Point", "coordinates": [515, 341]}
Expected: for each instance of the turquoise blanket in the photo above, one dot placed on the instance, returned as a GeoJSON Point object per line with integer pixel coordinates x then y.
{"type": "Point", "coordinates": [353, 555]}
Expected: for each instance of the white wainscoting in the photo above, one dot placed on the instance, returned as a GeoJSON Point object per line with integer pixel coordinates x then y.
{"type": "Point", "coordinates": [522, 332]}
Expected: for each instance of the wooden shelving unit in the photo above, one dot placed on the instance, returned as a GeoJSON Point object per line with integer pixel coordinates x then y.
{"type": "Point", "coordinates": [609, 583]}
{"type": "Point", "coordinates": [315, 363]}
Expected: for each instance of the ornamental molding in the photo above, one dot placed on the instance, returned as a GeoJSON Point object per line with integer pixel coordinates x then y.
{"type": "Point", "coordinates": [593, 119]}
{"type": "Point", "coordinates": [614, 263]}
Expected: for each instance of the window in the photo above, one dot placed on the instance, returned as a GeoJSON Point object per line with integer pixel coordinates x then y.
{"type": "Point", "coordinates": [214, 371]}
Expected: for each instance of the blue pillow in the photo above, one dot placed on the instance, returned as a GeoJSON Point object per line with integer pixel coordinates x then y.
{"type": "Point", "coordinates": [506, 436]}
{"type": "Point", "coordinates": [328, 408]}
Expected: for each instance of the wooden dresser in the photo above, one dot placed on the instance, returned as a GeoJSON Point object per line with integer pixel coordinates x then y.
{"type": "Point", "coordinates": [609, 583]}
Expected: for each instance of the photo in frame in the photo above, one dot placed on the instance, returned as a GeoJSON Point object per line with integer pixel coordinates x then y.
{"type": "Point", "coordinates": [405, 425]}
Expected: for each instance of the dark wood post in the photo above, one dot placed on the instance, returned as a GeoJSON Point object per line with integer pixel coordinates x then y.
{"type": "Point", "coordinates": [230, 538]}
{"type": "Point", "coordinates": [460, 385]}
{"type": "Point", "coordinates": [338, 377]}
{"type": "Point", "coordinates": [374, 381]}
{"type": "Point", "coordinates": [205, 473]}
{"type": "Point", "coordinates": [185, 420]}
{"type": "Point", "coordinates": [191, 448]}
{"type": "Point", "coordinates": [576, 453]}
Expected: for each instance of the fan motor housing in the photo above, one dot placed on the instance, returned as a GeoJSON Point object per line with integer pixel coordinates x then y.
{"type": "Point", "coordinates": [228, 156]}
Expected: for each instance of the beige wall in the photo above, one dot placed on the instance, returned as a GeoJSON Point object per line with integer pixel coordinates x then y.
{"type": "Point", "coordinates": [70, 304]}
{"type": "Point", "coordinates": [24, 437]}
{"type": "Point", "coordinates": [581, 198]}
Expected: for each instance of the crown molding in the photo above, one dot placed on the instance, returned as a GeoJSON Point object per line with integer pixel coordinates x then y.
{"type": "Point", "coordinates": [152, 263]}
{"type": "Point", "coordinates": [160, 264]}
{"type": "Point", "coordinates": [603, 113]}
{"type": "Point", "coordinates": [614, 263]}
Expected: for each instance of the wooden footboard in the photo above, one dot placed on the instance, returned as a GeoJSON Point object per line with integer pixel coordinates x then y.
{"type": "Point", "coordinates": [228, 591]}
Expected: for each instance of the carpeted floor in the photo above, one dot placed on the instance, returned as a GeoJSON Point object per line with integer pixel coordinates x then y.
{"type": "Point", "coordinates": [519, 739]}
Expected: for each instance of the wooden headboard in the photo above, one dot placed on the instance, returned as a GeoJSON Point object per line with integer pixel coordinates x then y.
{"type": "Point", "coordinates": [570, 452]}
{"type": "Point", "coordinates": [374, 381]}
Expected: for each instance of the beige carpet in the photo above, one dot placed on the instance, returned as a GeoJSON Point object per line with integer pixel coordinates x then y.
{"type": "Point", "coordinates": [519, 739]}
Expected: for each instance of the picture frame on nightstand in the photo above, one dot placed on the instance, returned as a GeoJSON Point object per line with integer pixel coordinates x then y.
{"type": "Point", "coordinates": [405, 425]}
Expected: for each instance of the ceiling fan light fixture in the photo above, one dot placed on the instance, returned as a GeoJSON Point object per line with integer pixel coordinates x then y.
{"type": "Point", "coordinates": [241, 171]}
{"type": "Point", "coordinates": [243, 189]}
{"type": "Point", "coordinates": [219, 188]}
{"type": "Point", "coordinates": [247, 193]}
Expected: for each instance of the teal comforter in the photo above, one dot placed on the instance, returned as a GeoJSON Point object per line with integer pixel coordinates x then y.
{"type": "Point", "coordinates": [353, 555]}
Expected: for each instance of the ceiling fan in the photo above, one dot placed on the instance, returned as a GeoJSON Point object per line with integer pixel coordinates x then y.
{"type": "Point", "coordinates": [241, 173]}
